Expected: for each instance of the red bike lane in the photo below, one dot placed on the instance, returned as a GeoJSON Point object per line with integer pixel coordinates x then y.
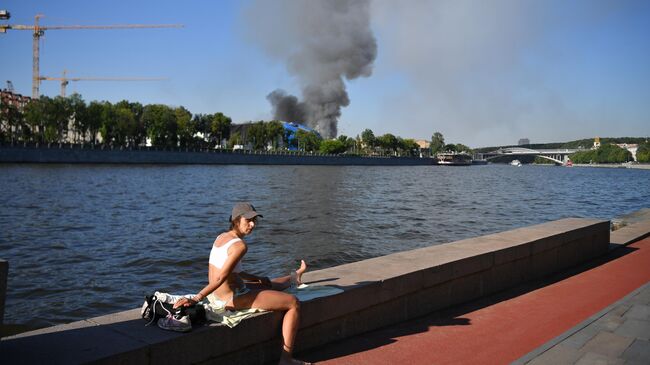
{"type": "Point", "coordinates": [502, 328]}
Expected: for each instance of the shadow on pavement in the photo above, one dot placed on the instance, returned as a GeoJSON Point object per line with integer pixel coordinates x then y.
{"type": "Point", "coordinates": [449, 317]}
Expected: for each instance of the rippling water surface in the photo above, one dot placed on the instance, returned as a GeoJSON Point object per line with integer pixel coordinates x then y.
{"type": "Point", "coordinates": [86, 240]}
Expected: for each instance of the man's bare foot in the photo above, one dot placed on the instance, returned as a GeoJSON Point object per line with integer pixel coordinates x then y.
{"type": "Point", "coordinates": [301, 270]}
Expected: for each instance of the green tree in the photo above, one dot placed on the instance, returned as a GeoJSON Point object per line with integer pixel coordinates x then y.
{"type": "Point", "coordinates": [13, 123]}
{"type": "Point", "coordinates": [160, 121]}
{"type": "Point", "coordinates": [34, 116]}
{"type": "Point", "coordinates": [368, 138]}
{"type": "Point", "coordinates": [184, 126]}
{"type": "Point", "coordinates": [79, 116]}
{"type": "Point", "coordinates": [138, 134]}
{"type": "Point", "coordinates": [94, 121]}
{"type": "Point", "coordinates": [614, 154]}
{"type": "Point", "coordinates": [125, 126]}
{"type": "Point", "coordinates": [332, 146]}
{"type": "Point", "coordinates": [107, 122]}
{"type": "Point", "coordinates": [256, 134]}
{"type": "Point", "coordinates": [409, 146]}
{"type": "Point", "coordinates": [437, 143]}
{"type": "Point", "coordinates": [607, 153]}
{"type": "Point", "coordinates": [274, 132]}
{"type": "Point", "coordinates": [234, 140]}
{"type": "Point", "coordinates": [388, 142]}
{"type": "Point", "coordinates": [220, 127]}
{"type": "Point", "coordinates": [57, 114]}
{"type": "Point", "coordinates": [348, 143]}
{"type": "Point", "coordinates": [307, 141]}
{"type": "Point", "coordinates": [463, 148]}
{"type": "Point", "coordinates": [203, 125]}
{"type": "Point", "coordinates": [587, 156]}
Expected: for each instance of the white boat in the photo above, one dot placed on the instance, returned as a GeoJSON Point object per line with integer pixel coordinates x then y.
{"type": "Point", "coordinates": [454, 159]}
{"type": "Point", "coordinates": [515, 163]}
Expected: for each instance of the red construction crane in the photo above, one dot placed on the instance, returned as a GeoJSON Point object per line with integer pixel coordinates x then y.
{"type": "Point", "coordinates": [39, 31]}
{"type": "Point", "coordinates": [65, 80]}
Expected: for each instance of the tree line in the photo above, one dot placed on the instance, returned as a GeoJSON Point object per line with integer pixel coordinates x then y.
{"type": "Point", "coordinates": [71, 119]}
{"type": "Point", "coordinates": [585, 143]}
{"type": "Point", "coordinates": [130, 124]}
{"type": "Point", "coordinates": [606, 153]}
{"type": "Point", "coordinates": [268, 135]}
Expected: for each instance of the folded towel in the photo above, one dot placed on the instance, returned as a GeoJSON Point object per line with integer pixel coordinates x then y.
{"type": "Point", "coordinates": [215, 312]}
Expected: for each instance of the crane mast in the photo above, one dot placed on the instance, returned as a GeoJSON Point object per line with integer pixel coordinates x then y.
{"type": "Point", "coordinates": [39, 31]}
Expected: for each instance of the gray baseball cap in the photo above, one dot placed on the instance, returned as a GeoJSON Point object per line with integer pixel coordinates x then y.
{"type": "Point", "coordinates": [247, 210]}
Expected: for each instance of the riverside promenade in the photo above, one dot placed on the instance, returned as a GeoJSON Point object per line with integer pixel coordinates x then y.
{"type": "Point", "coordinates": [491, 299]}
{"type": "Point", "coordinates": [597, 313]}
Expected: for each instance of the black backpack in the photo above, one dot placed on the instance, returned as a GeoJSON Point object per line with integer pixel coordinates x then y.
{"type": "Point", "coordinates": [154, 309]}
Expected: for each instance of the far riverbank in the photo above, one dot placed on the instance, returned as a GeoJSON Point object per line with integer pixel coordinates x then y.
{"type": "Point", "coordinates": [643, 166]}
{"type": "Point", "coordinates": [100, 154]}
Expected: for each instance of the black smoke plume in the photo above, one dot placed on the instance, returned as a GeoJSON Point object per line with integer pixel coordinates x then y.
{"type": "Point", "coordinates": [322, 42]}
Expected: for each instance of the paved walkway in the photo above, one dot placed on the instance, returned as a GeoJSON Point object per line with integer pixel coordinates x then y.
{"type": "Point", "coordinates": [617, 335]}
{"type": "Point", "coordinates": [578, 317]}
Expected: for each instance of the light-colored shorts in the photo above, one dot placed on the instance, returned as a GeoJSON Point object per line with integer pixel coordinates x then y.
{"type": "Point", "coordinates": [222, 303]}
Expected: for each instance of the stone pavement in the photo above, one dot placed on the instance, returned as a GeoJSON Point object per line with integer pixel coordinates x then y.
{"type": "Point", "coordinates": [578, 317]}
{"type": "Point", "coordinates": [620, 334]}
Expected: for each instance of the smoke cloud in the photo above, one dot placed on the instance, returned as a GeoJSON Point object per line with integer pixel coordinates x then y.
{"type": "Point", "coordinates": [489, 73]}
{"type": "Point", "coordinates": [321, 42]}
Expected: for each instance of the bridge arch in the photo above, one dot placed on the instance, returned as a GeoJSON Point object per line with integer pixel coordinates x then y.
{"type": "Point", "coordinates": [559, 162]}
{"type": "Point", "coordinates": [552, 159]}
{"type": "Point", "coordinates": [558, 156]}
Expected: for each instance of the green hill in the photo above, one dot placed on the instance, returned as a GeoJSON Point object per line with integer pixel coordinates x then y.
{"type": "Point", "coordinates": [584, 143]}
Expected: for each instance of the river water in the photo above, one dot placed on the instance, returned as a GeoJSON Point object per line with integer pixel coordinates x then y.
{"type": "Point", "coordinates": [86, 240]}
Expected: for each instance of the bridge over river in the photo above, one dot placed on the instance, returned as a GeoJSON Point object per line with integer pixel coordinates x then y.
{"type": "Point", "coordinates": [558, 155]}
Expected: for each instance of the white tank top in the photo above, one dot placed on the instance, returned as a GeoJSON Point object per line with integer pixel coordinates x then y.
{"type": "Point", "coordinates": [218, 255]}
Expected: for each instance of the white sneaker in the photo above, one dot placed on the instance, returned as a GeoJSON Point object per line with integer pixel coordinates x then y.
{"type": "Point", "coordinates": [171, 299]}
{"type": "Point", "coordinates": [163, 297]}
{"type": "Point", "coordinates": [170, 323]}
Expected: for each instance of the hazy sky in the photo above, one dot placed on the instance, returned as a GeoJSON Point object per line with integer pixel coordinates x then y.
{"type": "Point", "coordinates": [483, 73]}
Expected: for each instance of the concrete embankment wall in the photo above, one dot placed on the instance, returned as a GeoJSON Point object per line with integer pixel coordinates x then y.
{"type": "Point", "coordinates": [4, 272]}
{"type": "Point", "coordinates": [642, 166]}
{"type": "Point", "coordinates": [97, 154]}
{"type": "Point", "coordinates": [376, 292]}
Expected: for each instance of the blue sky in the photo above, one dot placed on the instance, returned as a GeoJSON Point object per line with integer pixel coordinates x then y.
{"type": "Point", "coordinates": [483, 73]}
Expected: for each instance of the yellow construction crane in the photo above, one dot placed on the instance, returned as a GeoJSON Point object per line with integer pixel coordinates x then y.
{"type": "Point", "coordinates": [39, 31]}
{"type": "Point", "coordinates": [65, 80]}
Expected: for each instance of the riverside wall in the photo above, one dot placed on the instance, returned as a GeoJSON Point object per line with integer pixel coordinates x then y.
{"type": "Point", "coordinates": [376, 293]}
{"type": "Point", "coordinates": [642, 166]}
{"type": "Point", "coordinates": [57, 153]}
{"type": "Point", "coordinates": [4, 272]}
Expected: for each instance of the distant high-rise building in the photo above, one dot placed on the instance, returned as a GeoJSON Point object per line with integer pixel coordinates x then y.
{"type": "Point", "coordinates": [524, 141]}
